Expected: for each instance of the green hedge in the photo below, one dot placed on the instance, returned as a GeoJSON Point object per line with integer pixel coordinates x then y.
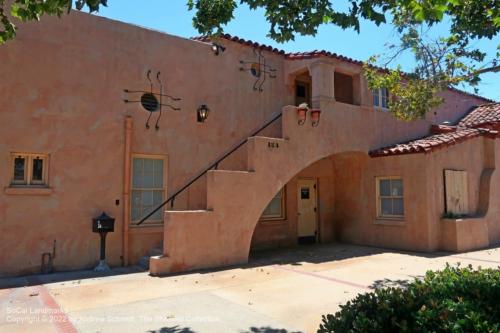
{"type": "Point", "coordinates": [453, 300]}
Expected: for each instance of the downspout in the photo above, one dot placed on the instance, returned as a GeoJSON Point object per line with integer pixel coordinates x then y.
{"type": "Point", "coordinates": [126, 189]}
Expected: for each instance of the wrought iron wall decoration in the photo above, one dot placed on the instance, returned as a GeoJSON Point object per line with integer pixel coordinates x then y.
{"type": "Point", "coordinates": [152, 101]}
{"type": "Point", "coordinates": [259, 69]}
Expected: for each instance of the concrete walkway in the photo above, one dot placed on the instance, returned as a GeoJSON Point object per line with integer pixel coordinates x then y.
{"type": "Point", "coordinates": [279, 292]}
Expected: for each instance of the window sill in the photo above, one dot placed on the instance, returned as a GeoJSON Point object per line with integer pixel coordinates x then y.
{"type": "Point", "coordinates": [396, 221]}
{"type": "Point", "coordinates": [146, 228]}
{"type": "Point", "coordinates": [27, 190]}
{"type": "Point", "coordinates": [271, 221]}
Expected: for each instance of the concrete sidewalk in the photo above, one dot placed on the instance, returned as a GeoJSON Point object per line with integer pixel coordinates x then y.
{"type": "Point", "coordinates": [278, 292]}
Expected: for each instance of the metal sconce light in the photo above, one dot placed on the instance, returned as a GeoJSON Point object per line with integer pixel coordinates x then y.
{"type": "Point", "coordinates": [218, 49]}
{"type": "Point", "coordinates": [315, 113]}
{"type": "Point", "coordinates": [202, 113]}
{"type": "Point", "coordinates": [302, 113]}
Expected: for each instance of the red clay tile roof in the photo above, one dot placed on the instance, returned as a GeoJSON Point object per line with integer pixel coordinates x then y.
{"type": "Point", "coordinates": [468, 128]}
{"type": "Point", "coordinates": [308, 55]}
{"type": "Point", "coordinates": [291, 56]}
{"type": "Point", "coordinates": [483, 115]}
{"type": "Point", "coordinates": [236, 39]}
{"type": "Point", "coordinates": [433, 142]}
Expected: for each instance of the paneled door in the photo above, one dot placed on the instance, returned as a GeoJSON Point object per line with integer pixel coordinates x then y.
{"type": "Point", "coordinates": [307, 210]}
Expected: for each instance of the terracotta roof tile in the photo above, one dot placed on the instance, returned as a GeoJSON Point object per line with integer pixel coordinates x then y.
{"type": "Point", "coordinates": [482, 120]}
{"type": "Point", "coordinates": [236, 39]}
{"type": "Point", "coordinates": [308, 55]}
{"type": "Point", "coordinates": [433, 142]}
{"type": "Point", "coordinates": [290, 56]}
{"type": "Point", "coordinates": [483, 115]}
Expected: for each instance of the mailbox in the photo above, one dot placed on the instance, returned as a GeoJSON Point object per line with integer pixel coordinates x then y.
{"type": "Point", "coordinates": [103, 223]}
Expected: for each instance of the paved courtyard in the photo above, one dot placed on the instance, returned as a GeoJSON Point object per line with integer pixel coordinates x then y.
{"type": "Point", "coordinates": [278, 292]}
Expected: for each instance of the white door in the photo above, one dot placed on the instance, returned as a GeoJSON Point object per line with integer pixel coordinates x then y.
{"type": "Point", "coordinates": [307, 208]}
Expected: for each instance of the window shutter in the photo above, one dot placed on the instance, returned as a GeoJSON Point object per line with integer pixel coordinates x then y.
{"type": "Point", "coordinates": [457, 196]}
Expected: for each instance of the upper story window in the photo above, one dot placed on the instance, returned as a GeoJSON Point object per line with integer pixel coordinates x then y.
{"type": "Point", "coordinates": [380, 98]}
{"type": "Point", "coordinates": [390, 201]}
{"type": "Point", "coordinates": [148, 188]}
{"type": "Point", "coordinates": [29, 169]}
{"type": "Point", "coordinates": [276, 208]}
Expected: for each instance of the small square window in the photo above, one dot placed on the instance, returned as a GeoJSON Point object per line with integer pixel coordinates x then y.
{"type": "Point", "coordinates": [29, 169]}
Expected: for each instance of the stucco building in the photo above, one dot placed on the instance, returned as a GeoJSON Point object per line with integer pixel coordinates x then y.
{"type": "Point", "coordinates": [99, 115]}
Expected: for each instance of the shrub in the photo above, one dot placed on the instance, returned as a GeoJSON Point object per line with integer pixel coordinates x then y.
{"type": "Point", "coordinates": [453, 300]}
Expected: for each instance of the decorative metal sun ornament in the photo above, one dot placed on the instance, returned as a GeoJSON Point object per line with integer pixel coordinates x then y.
{"type": "Point", "coordinates": [153, 101]}
{"type": "Point", "coordinates": [258, 69]}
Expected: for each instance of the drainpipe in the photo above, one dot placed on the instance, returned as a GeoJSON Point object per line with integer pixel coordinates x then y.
{"type": "Point", "coordinates": [126, 189]}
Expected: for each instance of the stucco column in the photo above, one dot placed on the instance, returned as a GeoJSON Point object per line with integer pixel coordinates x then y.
{"type": "Point", "coordinates": [323, 80]}
{"type": "Point", "coordinates": [126, 188]}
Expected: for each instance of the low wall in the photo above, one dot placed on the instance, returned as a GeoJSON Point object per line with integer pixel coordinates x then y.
{"type": "Point", "coordinates": [464, 234]}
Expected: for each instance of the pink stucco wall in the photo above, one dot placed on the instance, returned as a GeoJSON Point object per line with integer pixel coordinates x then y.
{"type": "Point", "coordinates": [422, 228]}
{"type": "Point", "coordinates": [64, 97]}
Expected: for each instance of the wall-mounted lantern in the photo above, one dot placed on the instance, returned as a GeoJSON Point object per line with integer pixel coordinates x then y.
{"type": "Point", "coordinates": [302, 113]}
{"type": "Point", "coordinates": [102, 225]}
{"type": "Point", "coordinates": [202, 113]}
{"type": "Point", "coordinates": [315, 113]}
{"type": "Point", "coordinates": [218, 49]}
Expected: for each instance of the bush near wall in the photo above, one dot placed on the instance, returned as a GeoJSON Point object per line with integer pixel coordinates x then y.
{"type": "Point", "coordinates": [457, 299]}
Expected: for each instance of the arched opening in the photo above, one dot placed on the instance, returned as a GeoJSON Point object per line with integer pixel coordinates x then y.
{"type": "Point", "coordinates": [305, 209]}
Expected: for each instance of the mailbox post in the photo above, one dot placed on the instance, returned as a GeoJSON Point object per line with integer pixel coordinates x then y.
{"type": "Point", "coordinates": [102, 225]}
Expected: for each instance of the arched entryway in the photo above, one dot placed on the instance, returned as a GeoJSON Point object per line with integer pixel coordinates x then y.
{"type": "Point", "coordinates": [312, 190]}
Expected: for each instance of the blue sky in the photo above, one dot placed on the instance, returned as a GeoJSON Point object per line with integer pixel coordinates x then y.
{"type": "Point", "coordinates": [173, 17]}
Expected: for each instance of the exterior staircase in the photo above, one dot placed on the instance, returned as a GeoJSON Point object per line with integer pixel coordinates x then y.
{"type": "Point", "coordinates": [221, 234]}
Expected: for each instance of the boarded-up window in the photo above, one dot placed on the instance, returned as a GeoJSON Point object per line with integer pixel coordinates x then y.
{"type": "Point", "coordinates": [456, 195]}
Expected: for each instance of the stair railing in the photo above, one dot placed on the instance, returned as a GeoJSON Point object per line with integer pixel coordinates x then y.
{"type": "Point", "coordinates": [214, 166]}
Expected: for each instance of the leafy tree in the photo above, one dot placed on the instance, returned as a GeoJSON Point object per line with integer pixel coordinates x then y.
{"type": "Point", "coordinates": [446, 61]}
